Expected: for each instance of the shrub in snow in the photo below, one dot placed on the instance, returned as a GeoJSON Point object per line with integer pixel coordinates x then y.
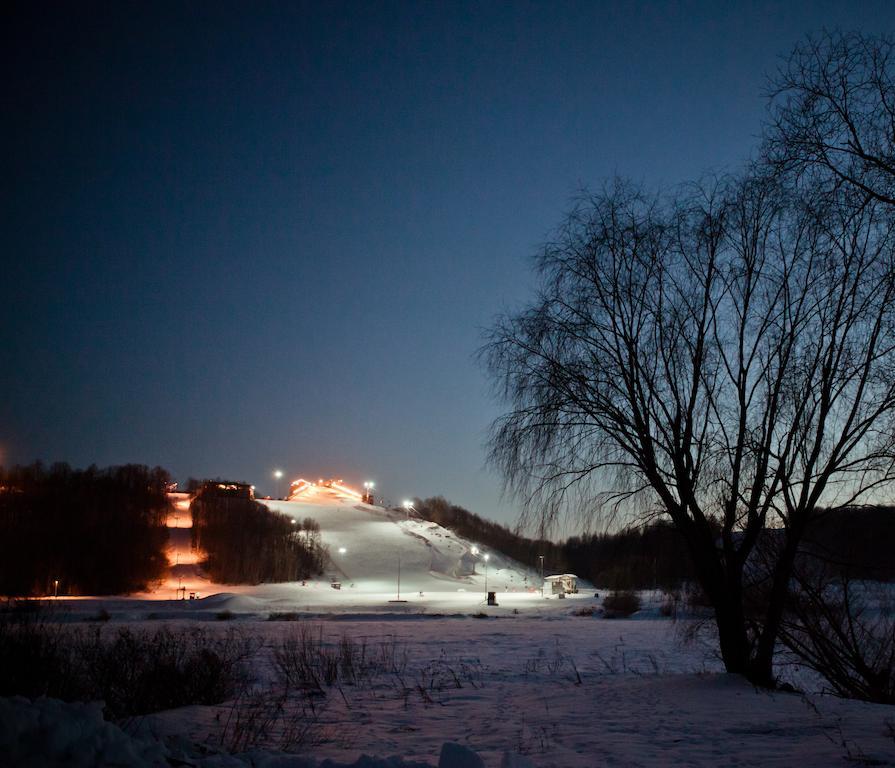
{"type": "Point", "coordinates": [132, 671]}
{"type": "Point", "coordinates": [620, 604]}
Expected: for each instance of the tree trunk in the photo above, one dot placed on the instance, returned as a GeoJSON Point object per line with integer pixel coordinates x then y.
{"type": "Point", "coordinates": [763, 662]}
{"type": "Point", "coordinates": [732, 637]}
{"type": "Point", "coordinates": [724, 587]}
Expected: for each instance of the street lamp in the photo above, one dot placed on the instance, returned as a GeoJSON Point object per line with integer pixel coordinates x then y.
{"type": "Point", "coordinates": [486, 558]}
{"type": "Point", "coordinates": [55, 588]}
{"type": "Point", "coordinates": [278, 475]}
{"type": "Point", "coordinates": [342, 550]}
{"type": "Point", "coordinates": [541, 558]}
{"type": "Point", "coordinates": [368, 491]}
{"type": "Point", "coordinates": [408, 505]}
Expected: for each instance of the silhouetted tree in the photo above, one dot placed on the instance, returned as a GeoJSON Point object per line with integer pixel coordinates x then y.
{"type": "Point", "coordinates": [833, 112]}
{"type": "Point", "coordinates": [725, 358]}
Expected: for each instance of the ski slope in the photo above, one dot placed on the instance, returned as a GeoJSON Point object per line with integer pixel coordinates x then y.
{"type": "Point", "coordinates": [368, 544]}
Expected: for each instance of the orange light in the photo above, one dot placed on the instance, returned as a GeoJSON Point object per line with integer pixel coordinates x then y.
{"type": "Point", "coordinates": [298, 487]}
{"type": "Point", "coordinates": [347, 491]}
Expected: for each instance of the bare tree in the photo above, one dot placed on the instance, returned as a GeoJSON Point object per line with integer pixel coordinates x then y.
{"type": "Point", "coordinates": [726, 358]}
{"type": "Point", "coordinates": [833, 113]}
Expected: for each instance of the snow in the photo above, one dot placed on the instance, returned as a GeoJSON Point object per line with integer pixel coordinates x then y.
{"type": "Point", "coordinates": [522, 685]}
{"type": "Point", "coordinates": [438, 569]}
{"type": "Point", "coordinates": [551, 689]}
{"type": "Point", "coordinates": [51, 734]}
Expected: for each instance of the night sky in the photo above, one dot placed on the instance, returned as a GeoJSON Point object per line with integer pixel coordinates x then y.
{"type": "Point", "coordinates": [238, 237]}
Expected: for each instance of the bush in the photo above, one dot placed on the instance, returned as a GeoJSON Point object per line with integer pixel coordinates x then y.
{"type": "Point", "coordinates": [620, 604]}
{"type": "Point", "coordinates": [133, 672]}
{"type": "Point", "coordinates": [844, 633]}
{"type": "Point", "coordinates": [670, 605]}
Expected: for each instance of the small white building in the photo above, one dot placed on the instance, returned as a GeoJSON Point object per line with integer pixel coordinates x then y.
{"type": "Point", "coordinates": [561, 584]}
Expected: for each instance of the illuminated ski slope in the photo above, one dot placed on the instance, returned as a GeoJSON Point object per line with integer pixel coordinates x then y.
{"type": "Point", "coordinates": [366, 544]}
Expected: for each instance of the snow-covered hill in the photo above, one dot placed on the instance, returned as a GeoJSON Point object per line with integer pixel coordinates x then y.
{"type": "Point", "coordinates": [367, 544]}
{"type": "Point", "coordinates": [438, 569]}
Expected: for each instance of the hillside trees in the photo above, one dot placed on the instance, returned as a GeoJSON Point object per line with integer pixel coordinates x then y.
{"type": "Point", "coordinates": [247, 543]}
{"type": "Point", "coordinates": [476, 528]}
{"type": "Point", "coordinates": [98, 531]}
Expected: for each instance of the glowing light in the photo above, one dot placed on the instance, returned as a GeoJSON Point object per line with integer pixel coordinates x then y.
{"type": "Point", "coordinates": [278, 474]}
{"type": "Point", "coordinates": [342, 550]}
{"type": "Point", "coordinates": [487, 558]}
{"type": "Point", "coordinates": [301, 486]}
{"type": "Point", "coordinates": [298, 487]}
{"type": "Point", "coordinates": [475, 550]}
{"type": "Point", "coordinates": [408, 504]}
{"type": "Point", "coordinates": [347, 491]}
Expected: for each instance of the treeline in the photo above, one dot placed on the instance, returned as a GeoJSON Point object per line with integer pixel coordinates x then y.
{"type": "Point", "coordinates": [95, 531]}
{"type": "Point", "coordinates": [246, 543]}
{"type": "Point", "coordinates": [636, 558]}
{"type": "Point", "coordinates": [493, 535]}
{"type": "Point", "coordinates": [859, 541]}
{"type": "Point", "coordinates": [643, 557]}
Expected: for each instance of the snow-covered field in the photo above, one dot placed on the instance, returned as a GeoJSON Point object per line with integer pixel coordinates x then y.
{"type": "Point", "coordinates": [531, 682]}
{"type": "Point", "coordinates": [558, 689]}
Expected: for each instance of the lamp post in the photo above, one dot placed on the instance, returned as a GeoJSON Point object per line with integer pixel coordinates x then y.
{"type": "Point", "coordinates": [486, 558]}
{"type": "Point", "coordinates": [368, 491]}
{"type": "Point", "coordinates": [55, 588]}
{"type": "Point", "coordinates": [278, 475]}
{"type": "Point", "coordinates": [408, 505]}
{"type": "Point", "coordinates": [541, 558]}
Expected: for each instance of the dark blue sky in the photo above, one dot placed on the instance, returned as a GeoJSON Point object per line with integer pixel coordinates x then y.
{"type": "Point", "coordinates": [246, 236]}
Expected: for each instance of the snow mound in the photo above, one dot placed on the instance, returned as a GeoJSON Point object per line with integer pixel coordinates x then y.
{"type": "Point", "coordinates": [52, 733]}
{"type": "Point", "coordinates": [229, 601]}
{"type": "Point", "coordinates": [55, 734]}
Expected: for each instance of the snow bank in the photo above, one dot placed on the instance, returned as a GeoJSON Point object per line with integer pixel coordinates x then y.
{"type": "Point", "coordinates": [228, 601]}
{"type": "Point", "coordinates": [51, 733]}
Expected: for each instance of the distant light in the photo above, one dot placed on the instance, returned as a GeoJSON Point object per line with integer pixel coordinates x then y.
{"type": "Point", "coordinates": [278, 474]}
{"type": "Point", "coordinates": [408, 504]}
{"type": "Point", "coordinates": [292, 520]}
{"type": "Point", "coordinates": [487, 558]}
{"type": "Point", "coordinates": [475, 550]}
{"type": "Point", "coordinates": [342, 550]}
